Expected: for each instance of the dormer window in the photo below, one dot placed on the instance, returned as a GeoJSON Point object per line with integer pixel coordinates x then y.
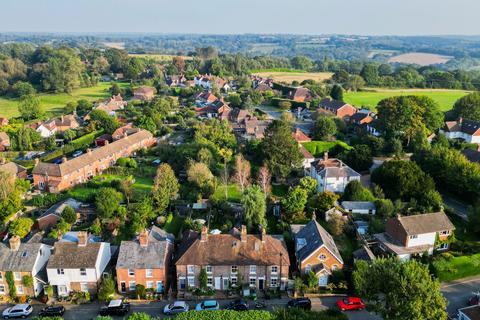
{"type": "Point", "coordinates": [413, 236]}
{"type": "Point", "coordinates": [444, 233]}
{"type": "Point", "coordinates": [301, 242]}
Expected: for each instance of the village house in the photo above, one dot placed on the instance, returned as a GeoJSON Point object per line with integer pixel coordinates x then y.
{"type": "Point", "coordinates": [300, 136]}
{"type": "Point", "coordinates": [300, 95]}
{"type": "Point", "coordinates": [339, 108]}
{"type": "Point", "coordinates": [14, 169]}
{"type": "Point", "coordinates": [205, 98]}
{"type": "Point", "coordinates": [332, 174]}
{"type": "Point", "coordinates": [464, 129]}
{"type": "Point", "coordinates": [48, 219]}
{"type": "Point", "coordinates": [4, 141]}
{"type": "Point", "coordinates": [58, 125]}
{"type": "Point", "coordinates": [359, 207]}
{"type": "Point", "coordinates": [111, 105]}
{"type": "Point", "coordinates": [123, 131]}
{"type": "Point", "coordinates": [472, 155]}
{"type": "Point", "coordinates": [24, 261]}
{"type": "Point", "coordinates": [58, 177]}
{"type": "Point", "coordinates": [361, 118]}
{"type": "Point", "coordinates": [145, 261]}
{"type": "Point", "coordinates": [77, 266]}
{"type": "Point", "coordinates": [175, 80]}
{"type": "Point", "coordinates": [143, 94]}
{"type": "Point", "coordinates": [316, 251]}
{"type": "Point", "coordinates": [406, 236]}
{"type": "Point", "coordinates": [257, 260]}
{"type": "Point", "coordinates": [216, 109]}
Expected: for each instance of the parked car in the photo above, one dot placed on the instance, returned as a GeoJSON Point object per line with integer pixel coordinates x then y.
{"type": "Point", "coordinates": [301, 303]}
{"type": "Point", "coordinates": [58, 161]}
{"type": "Point", "coordinates": [176, 307]}
{"type": "Point", "coordinates": [207, 305]}
{"type": "Point", "coordinates": [77, 153]}
{"type": "Point", "coordinates": [17, 311]}
{"type": "Point", "coordinates": [350, 303]}
{"type": "Point", "coordinates": [52, 311]}
{"type": "Point", "coordinates": [237, 305]}
{"type": "Point", "coordinates": [115, 308]}
{"type": "Point", "coordinates": [474, 300]}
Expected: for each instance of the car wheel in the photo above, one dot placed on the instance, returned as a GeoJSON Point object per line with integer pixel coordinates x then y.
{"type": "Point", "coordinates": [24, 316]}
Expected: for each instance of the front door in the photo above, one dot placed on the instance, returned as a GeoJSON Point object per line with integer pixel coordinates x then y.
{"type": "Point", "coordinates": [182, 284]}
{"type": "Point", "coordinates": [323, 280]}
{"type": "Point", "coordinates": [218, 283]}
{"type": "Point", "coordinates": [159, 286]}
{"type": "Point", "coordinates": [260, 284]}
{"type": "Point", "coordinates": [123, 287]}
{"type": "Point", "coordinates": [225, 283]}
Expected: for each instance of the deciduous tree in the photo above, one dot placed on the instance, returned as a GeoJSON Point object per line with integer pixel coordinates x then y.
{"type": "Point", "coordinates": [165, 188]}
{"type": "Point", "coordinates": [254, 206]}
{"type": "Point", "coordinates": [242, 172]}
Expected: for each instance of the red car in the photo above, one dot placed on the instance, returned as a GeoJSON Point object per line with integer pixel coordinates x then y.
{"type": "Point", "coordinates": [350, 303]}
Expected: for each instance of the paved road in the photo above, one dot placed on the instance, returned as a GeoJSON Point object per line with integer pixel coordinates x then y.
{"type": "Point", "coordinates": [275, 113]}
{"type": "Point", "coordinates": [90, 311]}
{"type": "Point", "coordinates": [458, 292]}
{"type": "Point", "coordinates": [459, 208]}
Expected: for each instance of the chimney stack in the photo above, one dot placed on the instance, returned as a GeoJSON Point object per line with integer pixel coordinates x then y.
{"type": "Point", "coordinates": [263, 233]}
{"type": "Point", "coordinates": [14, 243]}
{"type": "Point", "coordinates": [82, 238]}
{"type": "Point", "coordinates": [64, 159]}
{"type": "Point", "coordinates": [37, 161]}
{"type": "Point", "coordinates": [325, 156]}
{"type": "Point", "coordinates": [204, 234]}
{"type": "Point", "coordinates": [89, 151]}
{"type": "Point", "coordinates": [460, 120]}
{"type": "Point", "coordinates": [143, 238]}
{"type": "Point", "coordinates": [243, 234]}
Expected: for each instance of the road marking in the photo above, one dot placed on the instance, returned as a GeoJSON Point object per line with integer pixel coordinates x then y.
{"type": "Point", "coordinates": [459, 283]}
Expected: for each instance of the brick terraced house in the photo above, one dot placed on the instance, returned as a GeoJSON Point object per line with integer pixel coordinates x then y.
{"type": "Point", "coordinates": [58, 177]}
{"type": "Point", "coordinates": [338, 108]}
{"type": "Point", "coordinates": [145, 261]}
{"type": "Point", "coordinates": [258, 260]}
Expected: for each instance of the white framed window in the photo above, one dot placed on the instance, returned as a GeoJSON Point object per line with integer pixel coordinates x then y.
{"type": "Point", "coordinates": [17, 276]}
{"type": "Point", "coordinates": [2, 289]}
{"type": "Point", "coordinates": [209, 269]}
{"type": "Point", "coordinates": [1, 276]}
{"type": "Point", "coordinates": [62, 290]}
{"type": "Point", "coordinates": [131, 272]}
{"type": "Point", "coordinates": [322, 257]}
{"type": "Point", "coordinates": [209, 281]}
{"type": "Point", "coordinates": [19, 289]}
{"type": "Point", "coordinates": [132, 285]}
{"type": "Point", "coordinates": [60, 271]}
{"type": "Point", "coordinates": [234, 269]}
{"type": "Point", "coordinates": [84, 287]}
{"type": "Point", "coordinates": [149, 273]}
{"type": "Point", "coordinates": [413, 236]}
{"type": "Point", "coordinates": [308, 268]}
{"type": "Point", "coordinates": [444, 233]}
{"type": "Point", "coordinates": [233, 281]}
{"type": "Point", "coordinates": [190, 269]}
{"type": "Point", "coordinates": [273, 282]}
{"type": "Point", "coordinates": [253, 269]}
{"type": "Point", "coordinates": [191, 281]}
{"type": "Point", "coordinates": [149, 285]}
{"type": "Point", "coordinates": [252, 282]}
{"type": "Point", "coordinates": [442, 246]}
{"type": "Point", "coordinates": [83, 271]}
{"type": "Point", "coordinates": [274, 269]}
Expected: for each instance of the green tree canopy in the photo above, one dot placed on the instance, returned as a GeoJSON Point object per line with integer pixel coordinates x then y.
{"type": "Point", "coordinates": [468, 107]}
{"type": "Point", "coordinates": [107, 201]}
{"type": "Point", "coordinates": [30, 108]}
{"type": "Point", "coordinates": [254, 206]}
{"type": "Point", "coordinates": [294, 204]}
{"type": "Point", "coordinates": [165, 188]}
{"type": "Point", "coordinates": [20, 227]}
{"type": "Point", "coordinates": [324, 129]}
{"type": "Point", "coordinates": [355, 191]}
{"type": "Point", "coordinates": [69, 215]}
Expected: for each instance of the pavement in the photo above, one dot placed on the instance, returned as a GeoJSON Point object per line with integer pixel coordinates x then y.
{"type": "Point", "coordinates": [155, 308]}
{"type": "Point", "coordinates": [458, 292]}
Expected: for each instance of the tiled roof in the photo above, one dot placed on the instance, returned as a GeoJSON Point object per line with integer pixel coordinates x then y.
{"type": "Point", "coordinates": [463, 125]}
{"type": "Point", "coordinates": [21, 260]}
{"type": "Point", "coordinates": [68, 255]}
{"type": "Point", "coordinates": [12, 168]}
{"type": "Point", "coordinates": [358, 205]}
{"type": "Point", "coordinates": [333, 167]}
{"type": "Point", "coordinates": [328, 103]}
{"type": "Point", "coordinates": [424, 223]}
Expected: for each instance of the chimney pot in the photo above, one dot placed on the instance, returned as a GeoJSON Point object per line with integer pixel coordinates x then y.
{"type": "Point", "coordinates": [89, 151]}
{"type": "Point", "coordinates": [37, 161]}
{"type": "Point", "coordinates": [263, 233]}
{"type": "Point", "coordinates": [243, 234]}
{"type": "Point", "coordinates": [325, 156]}
{"type": "Point", "coordinates": [14, 243]}
{"type": "Point", "coordinates": [82, 238]}
{"type": "Point", "coordinates": [143, 238]}
{"type": "Point", "coordinates": [64, 159]}
{"type": "Point", "coordinates": [204, 234]}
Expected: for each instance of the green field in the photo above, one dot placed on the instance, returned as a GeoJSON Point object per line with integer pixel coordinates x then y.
{"type": "Point", "coordinates": [445, 98]}
{"type": "Point", "coordinates": [53, 103]}
{"type": "Point", "coordinates": [449, 268]}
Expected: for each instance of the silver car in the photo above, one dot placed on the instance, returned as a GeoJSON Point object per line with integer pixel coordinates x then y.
{"type": "Point", "coordinates": [176, 307]}
{"type": "Point", "coordinates": [17, 311]}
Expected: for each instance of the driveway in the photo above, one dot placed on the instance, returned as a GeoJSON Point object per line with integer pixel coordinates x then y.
{"type": "Point", "coordinates": [275, 114]}
{"type": "Point", "coordinates": [330, 302]}
{"type": "Point", "coordinates": [458, 292]}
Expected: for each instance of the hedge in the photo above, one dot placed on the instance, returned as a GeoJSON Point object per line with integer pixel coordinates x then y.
{"type": "Point", "coordinates": [225, 315]}
{"type": "Point", "coordinates": [81, 143]}
{"type": "Point", "coordinates": [295, 104]}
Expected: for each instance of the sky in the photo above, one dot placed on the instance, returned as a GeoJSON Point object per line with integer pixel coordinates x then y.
{"type": "Point", "coordinates": [359, 17]}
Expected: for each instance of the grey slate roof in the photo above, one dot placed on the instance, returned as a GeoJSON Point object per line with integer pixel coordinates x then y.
{"type": "Point", "coordinates": [58, 208]}
{"type": "Point", "coordinates": [21, 260]}
{"type": "Point", "coordinates": [331, 104]}
{"type": "Point", "coordinates": [68, 255]}
{"type": "Point", "coordinates": [315, 236]}
{"type": "Point", "coordinates": [133, 256]}
{"type": "Point", "coordinates": [358, 205]}
{"type": "Point", "coordinates": [333, 167]}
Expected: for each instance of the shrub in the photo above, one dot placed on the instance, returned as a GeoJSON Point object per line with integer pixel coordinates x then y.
{"type": "Point", "coordinates": [226, 315]}
{"type": "Point", "coordinates": [69, 215]}
{"type": "Point", "coordinates": [140, 291]}
{"type": "Point", "coordinates": [107, 289]}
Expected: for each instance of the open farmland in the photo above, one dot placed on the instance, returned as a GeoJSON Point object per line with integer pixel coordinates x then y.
{"type": "Point", "coordinates": [158, 57]}
{"type": "Point", "coordinates": [287, 76]}
{"type": "Point", "coordinates": [52, 103]}
{"type": "Point", "coordinates": [445, 98]}
{"type": "Point", "coordinates": [422, 59]}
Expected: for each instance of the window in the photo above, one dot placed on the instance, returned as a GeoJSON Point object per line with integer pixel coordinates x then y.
{"type": "Point", "coordinates": [445, 233]}
{"type": "Point", "coordinates": [209, 281]}
{"type": "Point", "coordinates": [322, 257]}
{"type": "Point", "coordinates": [273, 282]}
{"type": "Point", "coordinates": [17, 276]}
{"type": "Point", "coordinates": [190, 269]}
{"type": "Point", "coordinates": [442, 246]}
{"type": "Point", "coordinates": [62, 290]}
{"type": "Point", "coordinates": [84, 287]}
{"type": "Point", "coordinates": [132, 285]}
{"type": "Point", "coordinates": [149, 273]}
{"type": "Point", "coordinates": [2, 289]}
{"type": "Point", "coordinates": [209, 269]}
{"type": "Point", "coordinates": [233, 281]}
{"type": "Point", "coordinates": [253, 282]}
{"type": "Point", "coordinates": [83, 271]}
{"type": "Point", "coordinates": [19, 289]}
{"type": "Point", "coordinates": [60, 271]}
{"type": "Point", "coordinates": [334, 267]}
{"type": "Point", "coordinates": [234, 269]}
{"type": "Point", "coordinates": [253, 269]}
{"type": "Point", "coordinates": [131, 272]}
{"type": "Point", "coordinates": [308, 268]}
{"type": "Point", "coordinates": [149, 284]}
{"type": "Point", "coordinates": [274, 269]}
{"type": "Point", "coordinates": [413, 236]}
{"type": "Point", "coordinates": [191, 281]}
{"type": "Point", "coordinates": [1, 276]}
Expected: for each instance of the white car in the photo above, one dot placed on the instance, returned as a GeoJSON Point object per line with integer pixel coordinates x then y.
{"type": "Point", "coordinates": [17, 311]}
{"type": "Point", "coordinates": [176, 307]}
{"type": "Point", "coordinates": [77, 153]}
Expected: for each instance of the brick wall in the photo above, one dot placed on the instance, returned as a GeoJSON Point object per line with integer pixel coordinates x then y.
{"type": "Point", "coordinates": [314, 260]}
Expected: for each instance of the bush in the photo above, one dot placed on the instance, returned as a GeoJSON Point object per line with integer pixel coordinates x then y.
{"type": "Point", "coordinates": [299, 314]}
{"type": "Point", "coordinates": [226, 315]}
{"type": "Point", "coordinates": [127, 163]}
{"type": "Point", "coordinates": [69, 215]}
{"type": "Point", "coordinates": [140, 291]}
{"type": "Point", "coordinates": [107, 289]}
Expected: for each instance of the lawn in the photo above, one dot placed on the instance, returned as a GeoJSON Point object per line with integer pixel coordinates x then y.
{"type": "Point", "coordinates": [449, 268]}
{"type": "Point", "coordinates": [234, 193]}
{"type": "Point", "coordinates": [53, 103]}
{"type": "Point", "coordinates": [445, 98]}
{"type": "Point", "coordinates": [318, 148]}
{"type": "Point", "coordinates": [173, 224]}
{"type": "Point", "coordinates": [289, 75]}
